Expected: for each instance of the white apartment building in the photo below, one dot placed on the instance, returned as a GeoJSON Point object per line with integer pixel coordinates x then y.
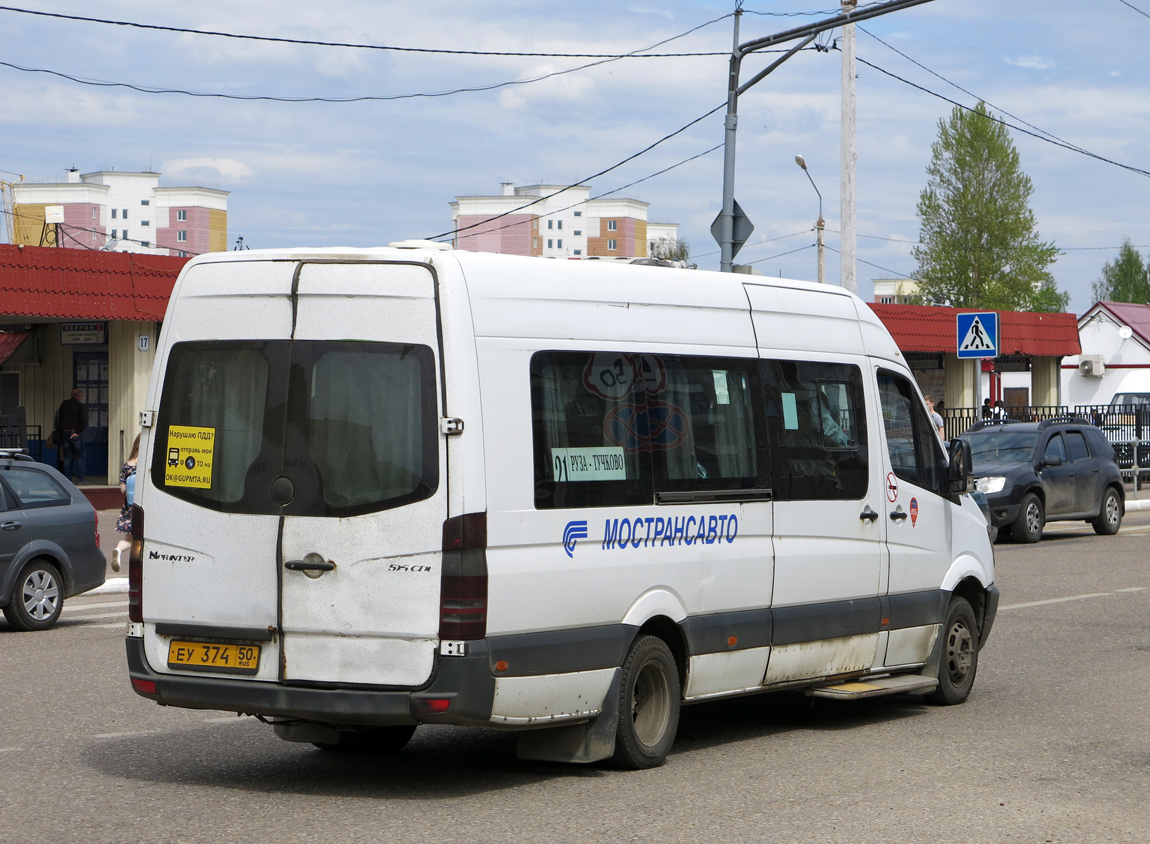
{"type": "Point", "coordinates": [541, 220]}
{"type": "Point", "coordinates": [122, 212]}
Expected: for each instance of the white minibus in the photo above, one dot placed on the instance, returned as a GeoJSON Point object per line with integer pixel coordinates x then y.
{"type": "Point", "coordinates": [381, 488]}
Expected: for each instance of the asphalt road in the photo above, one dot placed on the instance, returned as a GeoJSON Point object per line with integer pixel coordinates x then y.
{"type": "Point", "coordinates": [1052, 746]}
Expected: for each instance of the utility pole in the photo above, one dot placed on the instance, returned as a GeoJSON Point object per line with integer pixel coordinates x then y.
{"type": "Point", "coordinates": [849, 243]}
{"type": "Point", "coordinates": [724, 226]}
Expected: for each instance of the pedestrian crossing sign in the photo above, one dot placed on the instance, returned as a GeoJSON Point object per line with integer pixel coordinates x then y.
{"type": "Point", "coordinates": [977, 335]}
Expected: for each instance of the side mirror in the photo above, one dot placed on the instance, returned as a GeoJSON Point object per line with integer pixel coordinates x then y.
{"type": "Point", "coordinates": [959, 480]}
{"type": "Point", "coordinates": [1052, 460]}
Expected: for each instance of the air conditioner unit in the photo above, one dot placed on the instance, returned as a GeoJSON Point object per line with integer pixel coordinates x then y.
{"type": "Point", "coordinates": [1092, 366]}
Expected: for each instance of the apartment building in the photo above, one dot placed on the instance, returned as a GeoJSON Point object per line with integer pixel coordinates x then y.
{"type": "Point", "coordinates": [551, 221]}
{"type": "Point", "coordinates": [120, 212]}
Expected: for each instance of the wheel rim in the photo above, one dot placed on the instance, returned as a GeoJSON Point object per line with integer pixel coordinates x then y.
{"type": "Point", "coordinates": [1033, 517]}
{"type": "Point", "coordinates": [1111, 510]}
{"type": "Point", "coordinates": [41, 595]}
{"type": "Point", "coordinates": [959, 652]}
{"type": "Point", "coordinates": [651, 704]}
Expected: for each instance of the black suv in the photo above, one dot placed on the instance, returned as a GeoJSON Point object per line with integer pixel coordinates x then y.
{"type": "Point", "coordinates": [1056, 470]}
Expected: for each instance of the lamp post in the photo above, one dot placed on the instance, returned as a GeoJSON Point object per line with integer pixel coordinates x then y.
{"type": "Point", "coordinates": [802, 162]}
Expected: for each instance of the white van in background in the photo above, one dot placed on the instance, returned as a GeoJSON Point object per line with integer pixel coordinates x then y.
{"type": "Point", "coordinates": [389, 487]}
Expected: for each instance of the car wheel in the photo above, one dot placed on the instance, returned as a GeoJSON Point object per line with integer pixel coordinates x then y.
{"type": "Point", "coordinates": [959, 662]}
{"type": "Point", "coordinates": [37, 597]}
{"type": "Point", "coordinates": [1031, 519]}
{"type": "Point", "coordinates": [1109, 518]}
{"type": "Point", "coordinates": [648, 705]}
{"type": "Point", "coordinates": [371, 740]}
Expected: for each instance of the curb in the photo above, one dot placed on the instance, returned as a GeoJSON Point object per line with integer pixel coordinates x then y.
{"type": "Point", "coordinates": [112, 585]}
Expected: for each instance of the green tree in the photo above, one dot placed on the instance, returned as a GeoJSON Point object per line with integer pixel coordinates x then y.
{"type": "Point", "coordinates": [979, 247]}
{"type": "Point", "coordinates": [1126, 280]}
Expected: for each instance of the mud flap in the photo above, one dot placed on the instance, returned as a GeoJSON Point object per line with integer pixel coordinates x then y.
{"type": "Point", "coordinates": [590, 741]}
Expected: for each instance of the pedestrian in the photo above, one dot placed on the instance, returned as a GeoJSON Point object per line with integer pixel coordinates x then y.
{"type": "Point", "coordinates": [987, 410]}
{"type": "Point", "coordinates": [999, 412]}
{"type": "Point", "coordinates": [73, 416]}
{"type": "Point", "coordinates": [935, 419]}
{"type": "Point", "coordinates": [124, 522]}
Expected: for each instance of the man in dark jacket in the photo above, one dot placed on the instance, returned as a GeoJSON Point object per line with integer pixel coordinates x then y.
{"type": "Point", "coordinates": [73, 420]}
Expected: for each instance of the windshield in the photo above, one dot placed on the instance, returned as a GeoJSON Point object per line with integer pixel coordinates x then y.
{"type": "Point", "coordinates": [1001, 445]}
{"type": "Point", "coordinates": [1130, 398]}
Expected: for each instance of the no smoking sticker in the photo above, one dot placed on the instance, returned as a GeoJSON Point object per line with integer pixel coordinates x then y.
{"type": "Point", "coordinates": [891, 487]}
{"type": "Point", "coordinates": [190, 452]}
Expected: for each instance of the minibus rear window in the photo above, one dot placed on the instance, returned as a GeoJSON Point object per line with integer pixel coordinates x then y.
{"type": "Point", "coordinates": [318, 428]}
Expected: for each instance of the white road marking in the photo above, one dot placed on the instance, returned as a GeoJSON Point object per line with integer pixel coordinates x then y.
{"type": "Point", "coordinates": [124, 611]}
{"type": "Point", "coordinates": [1071, 598]}
{"type": "Point", "coordinates": [82, 607]}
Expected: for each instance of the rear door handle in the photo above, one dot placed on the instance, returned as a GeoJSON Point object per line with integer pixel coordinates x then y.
{"type": "Point", "coordinates": [898, 516]}
{"type": "Point", "coordinates": [868, 515]}
{"type": "Point", "coordinates": [11, 526]}
{"type": "Point", "coordinates": [313, 565]}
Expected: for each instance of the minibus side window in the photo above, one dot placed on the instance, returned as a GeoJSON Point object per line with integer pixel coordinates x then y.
{"type": "Point", "coordinates": [590, 427]}
{"type": "Point", "coordinates": [707, 426]}
{"type": "Point", "coordinates": [916, 454]}
{"type": "Point", "coordinates": [817, 430]}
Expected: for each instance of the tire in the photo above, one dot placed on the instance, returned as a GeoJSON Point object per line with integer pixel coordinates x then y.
{"type": "Point", "coordinates": [1031, 519]}
{"type": "Point", "coordinates": [958, 663]}
{"type": "Point", "coordinates": [1109, 518]}
{"type": "Point", "coordinates": [648, 705]}
{"type": "Point", "coordinates": [37, 597]}
{"type": "Point", "coordinates": [371, 740]}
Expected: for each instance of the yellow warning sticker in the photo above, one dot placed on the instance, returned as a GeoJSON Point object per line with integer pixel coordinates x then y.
{"type": "Point", "coordinates": [189, 456]}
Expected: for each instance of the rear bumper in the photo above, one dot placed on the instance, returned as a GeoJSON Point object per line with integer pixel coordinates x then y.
{"type": "Point", "coordinates": [466, 682]}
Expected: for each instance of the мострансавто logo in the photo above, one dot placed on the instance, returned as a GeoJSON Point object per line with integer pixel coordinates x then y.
{"type": "Point", "coordinates": [656, 530]}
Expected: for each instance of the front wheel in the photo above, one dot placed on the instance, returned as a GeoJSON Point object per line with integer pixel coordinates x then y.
{"type": "Point", "coordinates": [1031, 519]}
{"type": "Point", "coordinates": [37, 597]}
{"type": "Point", "coordinates": [648, 705]}
{"type": "Point", "coordinates": [1109, 518]}
{"type": "Point", "coordinates": [959, 661]}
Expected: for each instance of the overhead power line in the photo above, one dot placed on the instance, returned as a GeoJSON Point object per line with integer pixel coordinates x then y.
{"type": "Point", "coordinates": [629, 158]}
{"type": "Point", "coordinates": [1036, 134]}
{"type": "Point", "coordinates": [580, 202]}
{"type": "Point", "coordinates": [351, 45]}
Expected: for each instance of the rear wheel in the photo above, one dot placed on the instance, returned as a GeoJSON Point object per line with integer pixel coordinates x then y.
{"type": "Point", "coordinates": [959, 662]}
{"type": "Point", "coordinates": [371, 740]}
{"type": "Point", "coordinates": [1031, 519]}
{"type": "Point", "coordinates": [37, 597]}
{"type": "Point", "coordinates": [1109, 518]}
{"type": "Point", "coordinates": [648, 705]}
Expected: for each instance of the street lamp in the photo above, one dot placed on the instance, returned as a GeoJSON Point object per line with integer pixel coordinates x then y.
{"type": "Point", "coordinates": [802, 162]}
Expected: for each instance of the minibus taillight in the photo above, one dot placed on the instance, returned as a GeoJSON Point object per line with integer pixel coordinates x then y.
{"type": "Point", "coordinates": [136, 567]}
{"type": "Point", "coordinates": [463, 592]}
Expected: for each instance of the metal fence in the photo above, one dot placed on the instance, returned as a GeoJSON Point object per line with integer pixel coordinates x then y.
{"type": "Point", "coordinates": [959, 419]}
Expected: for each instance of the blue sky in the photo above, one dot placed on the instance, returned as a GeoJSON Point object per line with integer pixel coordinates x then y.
{"type": "Point", "coordinates": [365, 173]}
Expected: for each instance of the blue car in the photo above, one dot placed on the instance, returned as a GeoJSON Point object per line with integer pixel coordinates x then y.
{"type": "Point", "coordinates": [49, 542]}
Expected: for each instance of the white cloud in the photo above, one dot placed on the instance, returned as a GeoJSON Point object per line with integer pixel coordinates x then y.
{"type": "Point", "coordinates": [1030, 62]}
{"type": "Point", "coordinates": [227, 170]}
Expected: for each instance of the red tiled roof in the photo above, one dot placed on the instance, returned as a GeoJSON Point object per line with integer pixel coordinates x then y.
{"type": "Point", "coordinates": [927, 328]}
{"type": "Point", "coordinates": [82, 284]}
{"type": "Point", "coordinates": [1128, 313]}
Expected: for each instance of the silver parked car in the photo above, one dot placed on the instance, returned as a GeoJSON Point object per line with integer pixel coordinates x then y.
{"type": "Point", "coordinates": [49, 542]}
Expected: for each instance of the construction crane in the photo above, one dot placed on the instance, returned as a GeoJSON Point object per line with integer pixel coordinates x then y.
{"type": "Point", "coordinates": [9, 205]}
